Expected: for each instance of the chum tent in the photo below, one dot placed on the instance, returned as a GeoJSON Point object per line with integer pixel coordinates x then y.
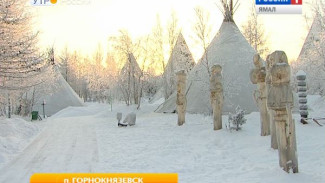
{"type": "Point", "coordinates": [231, 50]}
{"type": "Point", "coordinates": [64, 96]}
{"type": "Point", "coordinates": [310, 59]}
{"type": "Point", "coordinates": [180, 59]}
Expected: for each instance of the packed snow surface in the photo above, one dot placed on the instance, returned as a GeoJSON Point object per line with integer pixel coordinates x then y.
{"type": "Point", "coordinates": [87, 139]}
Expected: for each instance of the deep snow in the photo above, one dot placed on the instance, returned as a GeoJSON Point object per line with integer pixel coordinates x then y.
{"type": "Point", "coordinates": [87, 139]}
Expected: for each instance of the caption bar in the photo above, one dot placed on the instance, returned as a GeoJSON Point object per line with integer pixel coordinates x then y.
{"type": "Point", "coordinates": [104, 178]}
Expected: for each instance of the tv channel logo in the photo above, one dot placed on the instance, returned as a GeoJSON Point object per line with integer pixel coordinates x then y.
{"type": "Point", "coordinates": [278, 6]}
{"type": "Point", "coordinates": [61, 2]}
{"type": "Point", "coordinates": [43, 2]}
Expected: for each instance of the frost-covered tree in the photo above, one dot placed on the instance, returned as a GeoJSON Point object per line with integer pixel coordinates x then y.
{"type": "Point", "coordinates": [173, 31]}
{"type": "Point", "coordinates": [128, 78]}
{"type": "Point", "coordinates": [98, 83]}
{"type": "Point", "coordinates": [22, 66]}
{"type": "Point", "coordinates": [235, 121]}
{"type": "Point", "coordinates": [111, 75]}
{"type": "Point", "coordinates": [254, 32]}
{"type": "Point", "coordinates": [64, 60]}
{"type": "Point", "coordinates": [158, 46]}
{"type": "Point", "coordinates": [202, 29]}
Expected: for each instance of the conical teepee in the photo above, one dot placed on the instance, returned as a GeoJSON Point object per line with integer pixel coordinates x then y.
{"type": "Point", "coordinates": [310, 59]}
{"type": "Point", "coordinates": [134, 69]}
{"type": "Point", "coordinates": [230, 49]}
{"type": "Point", "coordinates": [63, 97]}
{"type": "Point", "coordinates": [180, 59]}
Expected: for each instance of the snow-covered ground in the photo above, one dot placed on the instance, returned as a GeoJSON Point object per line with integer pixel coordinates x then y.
{"type": "Point", "coordinates": [87, 139]}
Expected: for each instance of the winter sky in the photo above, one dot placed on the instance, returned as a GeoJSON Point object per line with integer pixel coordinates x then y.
{"type": "Point", "coordinates": [82, 27]}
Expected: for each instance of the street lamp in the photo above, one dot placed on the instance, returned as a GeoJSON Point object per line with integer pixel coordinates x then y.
{"type": "Point", "coordinates": [43, 104]}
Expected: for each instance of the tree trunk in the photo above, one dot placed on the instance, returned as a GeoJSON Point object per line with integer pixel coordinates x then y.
{"type": "Point", "coordinates": [129, 82]}
{"type": "Point", "coordinates": [140, 93]}
{"type": "Point", "coordinates": [9, 106]}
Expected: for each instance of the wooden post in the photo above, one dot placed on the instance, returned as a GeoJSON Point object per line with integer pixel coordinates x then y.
{"type": "Point", "coordinates": [181, 96]}
{"type": "Point", "coordinates": [280, 99]}
{"type": "Point", "coordinates": [269, 64]}
{"type": "Point", "coordinates": [257, 76]}
{"type": "Point", "coordinates": [216, 96]}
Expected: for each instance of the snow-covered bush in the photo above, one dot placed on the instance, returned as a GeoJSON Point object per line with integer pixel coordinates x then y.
{"type": "Point", "coordinates": [235, 121]}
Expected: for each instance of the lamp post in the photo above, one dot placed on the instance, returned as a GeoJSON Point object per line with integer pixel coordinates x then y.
{"type": "Point", "coordinates": [43, 104]}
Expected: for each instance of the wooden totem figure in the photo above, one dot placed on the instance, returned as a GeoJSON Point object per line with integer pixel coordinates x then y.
{"type": "Point", "coordinates": [257, 76]}
{"type": "Point", "coordinates": [181, 96]}
{"type": "Point", "coordinates": [216, 96]}
{"type": "Point", "coordinates": [269, 64]}
{"type": "Point", "coordinates": [280, 99]}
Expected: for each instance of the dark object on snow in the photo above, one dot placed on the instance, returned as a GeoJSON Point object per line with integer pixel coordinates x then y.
{"type": "Point", "coordinates": [305, 120]}
{"type": "Point", "coordinates": [36, 116]}
{"type": "Point", "coordinates": [130, 119]}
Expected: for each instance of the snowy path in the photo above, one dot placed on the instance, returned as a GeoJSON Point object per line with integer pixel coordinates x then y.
{"type": "Point", "coordinates": [87, 139]}
{"type": "Point", "coordinates": [66, 144]}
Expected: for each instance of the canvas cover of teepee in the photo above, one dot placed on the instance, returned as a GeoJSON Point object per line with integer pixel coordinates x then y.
{"type": "Point", "coordinates": [180, 59]}
{"type": "Point", "coordinates": [64, 96]}
{"type": "Point", "coordinates": [230, 49]}
{"type": "Point", "coordinates": [310, 59]}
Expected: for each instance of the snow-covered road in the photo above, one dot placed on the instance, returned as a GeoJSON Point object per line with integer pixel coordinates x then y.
{"type": "Point", "coordinates": [87, 139]}
{"type": "Point", "coordinates": [65, 145]}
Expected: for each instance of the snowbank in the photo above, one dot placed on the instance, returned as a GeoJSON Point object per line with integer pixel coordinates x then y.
{"type": "Point", "coordinates": [15, 135]}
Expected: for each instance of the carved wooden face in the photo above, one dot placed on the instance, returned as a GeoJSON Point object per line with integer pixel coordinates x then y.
{"type": "Point", "coordinates": [274, 58]}
{"type": "Point", "coordinates": [216, 69]}
{"type": "Point", "coordinates": [258, 61]}
{"type": "Point", "coordinates": [280, 57]}
{"type": "Point", "coordinates": [269, 62]}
